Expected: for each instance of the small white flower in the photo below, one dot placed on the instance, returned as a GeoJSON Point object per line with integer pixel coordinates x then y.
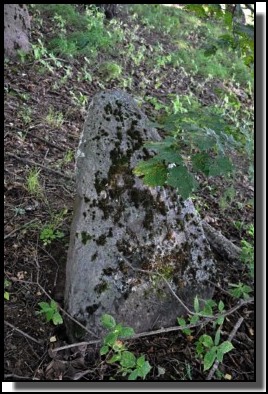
{"type": "Point", "coordinates": [172, 165]}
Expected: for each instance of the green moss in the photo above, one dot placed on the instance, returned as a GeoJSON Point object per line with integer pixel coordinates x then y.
{"type": "Point", "coordinates": [85, 237]}
{"type": "Point", "coordinates": [94, 256]}
{"type": "Point", "coordinates": [101, 287]}
{"type": "Point", "coordinates": [92, 308]}
{"type": "Point", "coordinates": [148, 219]}
{"type": "Point", "coordinates": [108, 271]}
{"type": "Point", "coordinates": [101, 240]}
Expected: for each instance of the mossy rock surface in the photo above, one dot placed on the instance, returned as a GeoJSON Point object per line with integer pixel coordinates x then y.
{"type": "Point", "coordinates": [117, 219]}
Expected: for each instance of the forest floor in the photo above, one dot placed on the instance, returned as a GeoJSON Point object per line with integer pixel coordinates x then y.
{"type": "Point", "coordinates": [44, 114]}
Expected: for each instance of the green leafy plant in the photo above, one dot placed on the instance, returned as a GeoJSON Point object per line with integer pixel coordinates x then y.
{"type": "Point", "coordinates": [49, 234]}
{"type": "Point", "coordinates": [33, 184]}
{"type": "Point", "coordinates": [26, 115]}
{"type": "Point", "coordinates": [110, 70]}
{"type": "Point", "coordinates": [247, 254]}
{"type": "Point", "coordinates": [50, 231]}
{"type": "Point", "coordinates": [128, 364]}
{"type": "Point", "coordinates": [7, 284]}
{"type": "Point", "coordinates": [207, 349]}
{"type": "Point", "coordinates": [50, 311]}
{"type": "Point", "coordinates": [210, 350]}
{"type": "Point", "coordinates": [79, 99]}
{"type": "Point", "coordinates": [240, 290]}
{"type": "Point", "coordinates": [54, 118]}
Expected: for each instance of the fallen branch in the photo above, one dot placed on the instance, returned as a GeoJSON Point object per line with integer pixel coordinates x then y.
{"type": "Point", "coordinates": [163, 330]}
{"type": "Point", "coordinates": [23, 333]}
{"type": "Point", "coordinates": [230, 338]}
{"type": "Point", "coordinates": [19, 228]}
{"type": "Point", "coordinates": [28, 132]}
{"type": "Point", "coordinates": [221, 245]}
{"type": "Point", "coordinates": [32, 163]}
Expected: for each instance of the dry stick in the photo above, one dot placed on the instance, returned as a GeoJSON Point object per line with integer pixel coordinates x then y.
{"type": "Point", "coordinates": [40, 165]}
{"type": "Point", "coordinates": [55, 261]}
{"type": "Point", "coordinates": [23, 333]}
{"type": "Point", "coordinates": [164, 330]}
{"type": "Point", "coordinates": [230, 338]}
{"type": "Point", "coordinates": [28, 132]}
{"type": "Point", "coordinates": [19, 228]}
{"type": "Point", "coordinates": [13, 375]}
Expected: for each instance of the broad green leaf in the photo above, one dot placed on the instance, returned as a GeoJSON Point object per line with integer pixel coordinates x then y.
{"type": "Point", "coordinates": [181, 321]}
{"type": "Point", "coordinates": [115, 358]}
{"type": "Point", "coordinates": [128, 360]}
{"type": "Point", "coordinates": [207, 310]}
{"type": "Point", "coordinates": [126, 332]}
{"type": "Point", "coordinates": [108, 321]}
{"type": "Point", "coordinates": [226, 346]}
{"type": "Point", "coordinates": [7, 283]}
{"type": "Point", "coordinates": [133, 375]}
{"type": "Point", "coordinates": [196, 304]}
{"type": "Point", "coordinates": [201, 162]}
{"type": "Point", "coordinates": [49, 314]}
{"type": "Point", "coordinates": [53, 305]}
{"type": "Point", "coordinates": [44, 306]}
{"type": "Point", "coordinates": [144, 370]}
{"type": "Point", "coordinates": [118, 329]}
{"type": "Point", "coordinates": [220, 355]}
{"type": "Point", "coordinates": [154, 172]}
{"type": "Point", "coordinates": [211, 303]}
{"type": "Point", "coordinates": [104, 350]}
{"type": "Point", "coordinates": [220, 166]}
{"type": "Point", "coordinates": [57, 319]}
{"type": "Point", "coordinates": [209, 359]}
{"type": "Point", "coordinates": [220, 320]}
{"type": "Point", "coordinates": [199, 348]}
{"type": "Point", "coordinates": [203, 141]}
{"type": "Point", "coordinates": [187, 331]}
{"type": "Point", "coordinates": [217, 337]}
{"type": "Point", "coordinates": [180, 178]}
{"type": "Point", "coordinates": [140, 361]}
{"type": "Point", "coordinates": [194, 319]}
{"type": "Point", "coordinates": [221, 306]}
{"type": "Point", "coordinates": [206, 340]}
{"type": "Point", "coordinates": [110, 339]}
{"type": "Point", "coordinates": [6, 295]}
{"type": "Point", "coordinates": [170, 156]}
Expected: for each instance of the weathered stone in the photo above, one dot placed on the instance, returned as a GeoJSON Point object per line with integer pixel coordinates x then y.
{"type": "Point", "coordinates": [17, 29]}
{"type": "Point", "coordinates": [117, 219]}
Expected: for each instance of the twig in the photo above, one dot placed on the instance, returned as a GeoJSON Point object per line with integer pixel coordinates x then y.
{"type": "Point", "coordinates": [28, 132]}
{"type": "Point", "coordinates": [40, 165]}
{"type": "Point", "coordinates": [19, 228]}
{"type": "Point", "coordinates": [161, 276]}
{"type": "Point", "coordinates": [230, 338]}
{"type": "Point", "coordinates": [13, 375]}
{"type": "Point", "coordinates": [55, 261]}
{"type": "Point", "coordinates": [220, 288]}
{"type": "Point", "coordinates": [22, 333]}
{"type": "Point", "coordinates": [161, 330]}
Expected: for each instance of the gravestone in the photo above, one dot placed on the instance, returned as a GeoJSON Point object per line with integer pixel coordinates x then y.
{"type": "Point", "coordinates": [123, 230]}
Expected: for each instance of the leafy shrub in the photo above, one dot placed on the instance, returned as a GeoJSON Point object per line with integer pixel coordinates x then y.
{"type": "Point", "coordinates": [128, 363]}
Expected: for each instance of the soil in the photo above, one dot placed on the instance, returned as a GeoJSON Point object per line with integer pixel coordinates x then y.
{"type": "Point", "coordinates": [36, 271]}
